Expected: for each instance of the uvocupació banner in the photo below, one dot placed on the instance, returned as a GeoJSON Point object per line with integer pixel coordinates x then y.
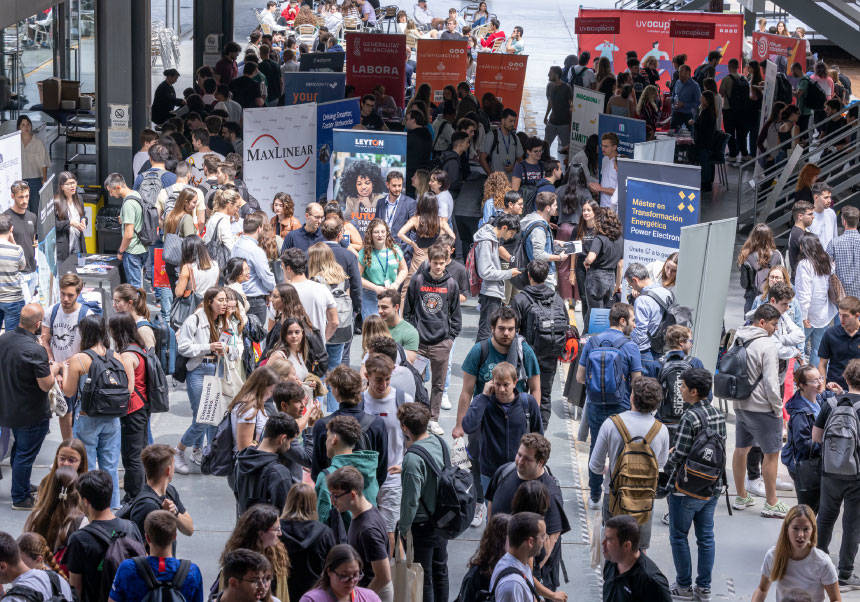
{"type": "Point", "coordinates": [503, 75]}
{"type": "Point", "coordinates": [361, 162]}
{"type": "Point", "coordinates": [10, 167]}
{"type": "Point", "coordinates": [376, 58]}
{"type": "Point", "coordinates": [629, 131]}
{"type": "Point", "coordinates": [440, 63]}
{"type": "Point", "coordinates": [342, 114]}
{"type": "Point", "coordinates": [647, 33]}
{"type": "Point", "coordinates": [301, 87]}
{"type": "Point", "coordinates": [280, 152]}
{"type": "Point", "coordinates": [587, 108]}
{"type": "Point", "coordinates": [781, 50]}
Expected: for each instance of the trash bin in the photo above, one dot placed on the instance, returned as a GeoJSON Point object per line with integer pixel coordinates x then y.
{"type": "Point", "coordinates": [108, 229]}
{"type": "Point", "coordinates": [93, 202]}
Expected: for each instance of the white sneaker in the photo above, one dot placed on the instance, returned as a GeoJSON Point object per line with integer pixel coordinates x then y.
{"type": "Point", "coordinates": [434, 428]}
{"type": "Point", "coordinates": [446, 403]}
{"type": "Point", "coordinates": [179, 463]}
{"type": "Point", "coordinates": [197, 456]}
{"type": "Point", "coordinates": [784, 485]}
{"type": "Point", "coordinates": [594, 504]}
{"type": "Point", "coordinates": [480, 511]}
{"type": "Point", "coordinates": [755, 487]}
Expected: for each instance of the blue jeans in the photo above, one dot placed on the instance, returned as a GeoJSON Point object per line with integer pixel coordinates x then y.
{"type": "Point", "coordinates": [28, 442]}
{"type": "Point", "coordinates": [335, 354]}
{"type": "Point", "coordinates": [193, 436]}
{"type": "Point", "coordinates": [597, 414]}
{"type": "Point", "coordinates": [369, 306]}
{"type": "Point", "coordinates": [813, 339]}
{"type": "Point", "coordinates": [683, 512]}
{"type": "Point", "coordinates": [132, 265]}
{"type": "Point", "coordinates": [10, 314]}
{"type": "Point", "coordinates": [102, 436]}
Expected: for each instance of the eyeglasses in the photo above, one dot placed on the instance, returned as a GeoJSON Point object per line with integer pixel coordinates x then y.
{"type": "Point", "coordinates": [347, 578]}
{"type": "Point", "coordinates": [260, 581]}
{"type": "Point", "coordinates": [335, 496]}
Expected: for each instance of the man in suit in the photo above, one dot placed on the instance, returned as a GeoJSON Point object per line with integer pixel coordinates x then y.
{"type": "Point", "coordinates": [395, 209]}
{"type": "Point", "coordinates": [332, 232]}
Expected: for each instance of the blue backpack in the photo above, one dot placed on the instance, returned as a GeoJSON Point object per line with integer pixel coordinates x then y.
{"type": "Point", "coordinates": [91, 307]}
{"type": "Point", "coordinates": [604, 371]}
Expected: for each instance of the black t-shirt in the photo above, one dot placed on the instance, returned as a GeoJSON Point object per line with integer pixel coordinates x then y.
{"type": "Point", "coordinates": [559, 97]}
{"type": "Point", "coordinates": [22, 402]}
{"type": "Point", "coordinates": [609, 252]}
{"type": "Point", "coordinates": [372, 122]}
{"type": "Point", "coordinates": [794, 247]}
{"type": "Point", "coordinates": [457, 271]}
{"type": "Point", "coordinates": [246, 91]}
{"type": "Point", "coordinates": [368, 535]}
{"type": "Point", "coordinates": [503, 486]}
{"type": "Point", "coordinates": [529, 173]}
{"type": "Point", "coordinates": [838, 348]}
{"type": "Point", "coordinates": [23, 231]}
{"type": "Point", "coordinates": [146, 504]}
{"type": "Point", "coordinates": [86, 551]}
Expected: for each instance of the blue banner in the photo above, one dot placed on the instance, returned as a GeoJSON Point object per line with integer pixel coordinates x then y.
{"type": "Point", "coordinates": [629, 132]}
{"type": "Point", "coordinates": [343, 113]}
{"type": "Point", "coordinates": [300, 87]}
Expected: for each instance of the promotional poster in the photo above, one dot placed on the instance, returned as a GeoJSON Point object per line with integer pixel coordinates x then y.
{"type": "Point", "coordinates": [376, 58]}
{"type": "Point", "coordinates": [781, 50]}
{"type": "Point", "coordinates": [440, 63]}
{"type": "Point", "coordinates": [322, 61]}
{"type": "Point", "coordinates": [587, 108]}
{"type": "Point", "coordinates": [629, 131]}
{"type": "Point", "coordinates": [340, 114]}
{"type": "Point", "coordinates": [10, 167]}
{"type": "Point", "coordinates": [503, 75]}
{"type": "Point", "coordinates": [317, 87]}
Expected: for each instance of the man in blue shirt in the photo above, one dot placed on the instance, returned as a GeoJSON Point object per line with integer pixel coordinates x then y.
{"type": "Point", "coordinates": [308, 234]}
{"type": "Point", "coordinates": [685, 97]}
{"type": "Point", "coordinates": [612, 347]}
{"type": "Point", "coordinates": [261, 281]}
{"type": "Point", "coordinates": [647, 311]}
{"type": "Point", "coordinates": [130, 585]}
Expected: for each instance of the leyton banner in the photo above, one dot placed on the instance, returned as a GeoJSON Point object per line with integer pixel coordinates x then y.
{"type": "Point", "coordinates": [322, 61]}
{"type": "Point", "coordinates": [440, 63]}
{"type": "Point", "coordinates": [361, 162]}
{"type": "Point", "coordinates": [629, 131]}
{"type": "Point", "coordinates": [10, 167]}
{"type": "Point", "coordinates": [502, 74]}
{"type": "Point", "coordinates": [376, 58]}
{"type": "Point", "coordinates": [779, 49]}
{"type": "Point", "coordinates": [587, 107]}
{"type": "Point", "coordinates": [648, 33]}
{"type": "Point", "coordinates": [341, 114]}
{"type": "Point", "coordinates": [301, 87]}
{"type": "Point", "coordinates": [279, 152]}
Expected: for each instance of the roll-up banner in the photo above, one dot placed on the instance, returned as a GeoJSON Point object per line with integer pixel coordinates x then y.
{"type": "Point", "coordinates": [781, 50]}
{"type": "Point", "coordinates": [300, 87]}
{"type": "Point", "coordinates": [10, 167]}
{"type": "Point", "coordinates": [503, 75]}
{"type": "Point", "coordinates": [629, 132]}
{"type": "Point", "coordinates": [46, 251]}
{"type": "Point", "coordinates": [341, 114]}
{"type": "Point", "coordinates": [440, 63]}
{"type": "Point", "coordinates": [587, 107]}
{"type": "Point", "coordinates": [376, 58]}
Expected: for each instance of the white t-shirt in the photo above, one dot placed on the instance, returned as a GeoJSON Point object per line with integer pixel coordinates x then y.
{"type": "Point", "coordinates": [299, 365]}
{"type": "Point", "coordinates": [824, 226]}
{"type": "Point", "coordinates": [65, 335]}
{"type": "Point", "coordinates": [386, 409]}
{"type": "Point", "coordinates": [608, 179]}
{"type": "Point", "coordinates": [39, 581]}
{"type": "Point", "coordinates": [446, 204]}
{"type": "Point", "coordinates": [137, 162]}
{"type": "Point", "coordinates": [810, 574]}
{"type": "Point", "coordinates": [252, 416]}
{"type": "Point", "coordinates": [316, 298]}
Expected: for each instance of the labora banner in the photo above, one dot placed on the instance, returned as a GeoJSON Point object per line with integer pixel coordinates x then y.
{"type": "Point", "coordinates": [376, 58]}
{"type": "Point", "coordinates": [503, 75]}
{"type": "Point", "coordinates": [362, 160]}
{"type": "Point", "coordinates": [317, 87]}
{"type": "Point", "coordinates": [440, 63]}
{"type": "Point", "coordinates": [587, 108]}
{"type": "Point", "coordinates": [780, 50]}
{"type": "Point", "coordinates": [629, 131]}
{"type": "Point", "coordinates": [10, 167]}
{"type": "Point", "coordinates": [280, 153]}
{"type": "Point", "coordinates": [340, 114]}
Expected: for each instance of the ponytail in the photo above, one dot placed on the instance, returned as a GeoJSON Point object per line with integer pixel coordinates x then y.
{"type": "Point", "coordinates": [136, 297]}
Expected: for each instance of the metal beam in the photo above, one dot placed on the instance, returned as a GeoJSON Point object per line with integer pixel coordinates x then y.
{"type": "Point", "coordinates": [12, 11]}
{"type": "Point", "coordinates": [213, 27]}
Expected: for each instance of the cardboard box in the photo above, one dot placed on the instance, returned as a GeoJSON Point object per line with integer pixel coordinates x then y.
{"type": "Point", "coordinates": [50, 93]}
{"type": "Point", "coordinates": [70, 90]}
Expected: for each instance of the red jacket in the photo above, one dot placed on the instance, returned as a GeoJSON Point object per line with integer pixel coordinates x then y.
{"type": "Point", "coordinates": [290, 11]}
{"type": "Point", "coordinates": [487, 42]}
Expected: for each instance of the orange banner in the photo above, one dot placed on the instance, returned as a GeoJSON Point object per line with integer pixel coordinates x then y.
{"type": "Point", "coordinates": [440, 63]}
{"type": "Point", "coordinates": [503, 75]}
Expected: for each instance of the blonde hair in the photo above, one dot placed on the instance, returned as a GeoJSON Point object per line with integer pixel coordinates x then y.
{"type": "Point", "coordinates": [373, 326]}
{"type": "Point", "coordinates": [322, 265]}
{"type": "Point", "coordinates": [782, 550]}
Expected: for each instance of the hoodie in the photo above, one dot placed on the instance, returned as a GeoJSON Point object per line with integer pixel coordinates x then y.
{"type": "Point", "coordinates": [544, 185]}
{"type": "Point", "coordinates": [801, 418]}
{"type": "Point", "coordinates": [260, 478]}
{"type": "Point", "coordinates": [488, 264]}
{"type": "Point", "coordinates": [307, 543]}
{"type": "Point", "coordinates": [539, 244]}
{"type": "Point", "coordinates": [365, 461]}
{"type": "Point", "coordinates": [433, 306]}
{"type": "Point", "coordinates": [762, 359]}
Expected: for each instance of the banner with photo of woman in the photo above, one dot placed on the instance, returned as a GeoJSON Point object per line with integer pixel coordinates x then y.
{"type": "Point", "coordinates": [361, 160]}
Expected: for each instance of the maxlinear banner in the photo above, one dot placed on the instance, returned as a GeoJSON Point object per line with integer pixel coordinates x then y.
{"type": "Point", "coordinates": [781, 50]}
{"type": "Point", "coordinates": [341, 114]}
{"type": "Point", "coordinates": [361, 162]}
{"type": "Point", "coordinates": [587, 108]}
{"type": "Point", "coordinates": [301, 87]}
{"type": "Point", "coordinates": [440, 63]}
{"type": "Point", "coordinates": [502, 74]}
{"type": "Point", "coordinates": [376, 58]}
{"type": "Point", "coordinates": [629, 131]}
{"type": "Point", "coordinates": [10, 167]}
{"type": "Point", "coordinates": [648, 33]}
{"type": "Point", "coordinates": [279, 149]}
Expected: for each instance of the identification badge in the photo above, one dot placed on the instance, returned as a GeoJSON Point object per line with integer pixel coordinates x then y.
{"type": "Point", "coordinates": [387, 283]}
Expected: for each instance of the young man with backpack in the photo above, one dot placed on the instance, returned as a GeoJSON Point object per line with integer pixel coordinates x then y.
{"type": "Point", "coordinates": [692, 499]}
{"type": "Point", "coordinates": [650, 308]}
{"type": "Point", "coordinates": [608, 365]}
{"type": "Point", "coordinates": [582, 75]}
{"type": "Point", "coordinates": [809, 97]}
{"type": "Point", "coordinates": [679, 344]}
{"type": "Point", "coordinates": [502, 148]}
{"type": "Point", "coordinates": [485, 265]}
{"type": "Point", "coordinates": [543, 323]}
{"type": "Point", "coordinates": [95, 552]}
{"type": "Point", "coordinates": [512, 579]}
{"type": "Point", "coordinates": [159, 576]}
{"type": "Point", "coordinates": [134, 216]}
{"type": "Point", "coordinates": [735, 90]}
{"type": "Point", "coordinates": [20, 582]}
{"type": "Point", "coordinates": [537, 239]}
{"type": "Point", "coordinates": [837, 429]}
{"type": "Point", "coordinates": [151, 182]}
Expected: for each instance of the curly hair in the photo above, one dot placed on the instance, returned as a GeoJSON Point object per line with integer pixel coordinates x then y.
{"type": "Point", "coordinates": [368, 240]}
{"type": "Point", "coordinates": [255, 521]}
{"type": "Point", "coordinates": [492, 545]}
{"type": "Point", "coordinates": [366, 169]}
{"type": "Point", "coordinates": [607, 224]}
{"type": "Point", "coordinates": [495, 187]}
{"type": "Point", "coordinates": [287, 201]}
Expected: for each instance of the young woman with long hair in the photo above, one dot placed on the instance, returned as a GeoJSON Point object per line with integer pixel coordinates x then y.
{"type": "Point", "coordinates": [36, 554]}
{"type": "Point", "coordinates": [71, 453]}
{"type": "Point", "coordinates": [71, 221]}
{"type": "Point", "coordinates": [668, 271]}
{"type": "Point", "coordinates": [259, 529]}
{"type": "Point", "coordinates": [199, 340]}
{"type": "Point", "coordinates": [589, 158]}
{"type": "Point", "coordinates": [757, 257]}
{"type": "Point", "coordinates": [306, 540]}
{"type": "Point", "coordinates": [293, 346]}
{"type": "Point", "coordinates": [373, 326]}
{"type": "Point", "coordinates": [604, 262]}
{"type": "Point", "coordinates": [381, 264]}
{"type": "Point", "coordinates": [806, 179]}
{"type": "Point", "coordinates": [811, 281]}
{"type": "Point", "coordinates": [585, 232]}
{"type": "Point", "coordinates": [234, 357]}
{"type": "Point", "coordinates": [181, 220]}
{"type": "Point", "coordinates": [481, 15]}
{"type": "Point", "coordinates": [427, 224]}
{"type": "Point", "coordinates": [493, 203]}
{"type": "Point", "coordinates": [247, 409]}
{"type": "Point", "coordinates": [197, 272]}
{"type": "Point", "coordinates": [340, 577]}
{"type": "Point", "coordinates": [572, 197]}
{"type": "Point", "coordinates": [421, 182]}
{"type": "Point", "coordinates": [286, 304]}
{"type": "Point", "coordinates": [130, 300]}
{"type": "Point", "coordinates": [57, 513]}
{"type": "Point", "coordinates": [604, 70]}
{"type": "Point", "coordinates": [490, 550]}
{"type": "Point", "coordinates": [648, 110]}
{"type": "Point", "coordinates": [235, 273]}
{"type": "Point", "coordinates": [796, 562]}
{"type": "Point", "coordinates": [704, 130]}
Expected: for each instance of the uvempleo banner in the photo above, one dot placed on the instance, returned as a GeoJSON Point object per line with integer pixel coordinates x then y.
{"type": "Point", "coordinates": [781, 50]}
{"type": "Point", "coordinates": [376, 58]}
{"type": "Point", "coordinates": [341, 114]}
{"type": "Point", "coordinates": [301, 87]}
{"type": "Point", "coordinates": [503, 75]}
{"type": "Point", "coordinates": [440, 63]}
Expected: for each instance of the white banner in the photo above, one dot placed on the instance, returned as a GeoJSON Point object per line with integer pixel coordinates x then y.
{"type": "Point", "coordinates": [587, 106]}
{"type": "Point", "coordinates": [767, 98]}
{"type": "Point", "coordinates": [10, 167]}
{"type": "Point", "coordinates": [280, 154]}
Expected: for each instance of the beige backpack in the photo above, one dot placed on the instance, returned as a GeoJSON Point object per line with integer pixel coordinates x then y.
{"type": "Point", "coordinates": [634, 478]}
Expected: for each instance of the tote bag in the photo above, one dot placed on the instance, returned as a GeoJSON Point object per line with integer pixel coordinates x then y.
{"type": "Point", "coordinates": [211, 409]}
{"type": "Point", "coordinates": [172, 248]}
{"type": "Point", "coordinates": [407, 575]}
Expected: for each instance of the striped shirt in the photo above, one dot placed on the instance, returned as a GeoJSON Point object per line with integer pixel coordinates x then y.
{"type": "Point", "coordinates": [11, 263]}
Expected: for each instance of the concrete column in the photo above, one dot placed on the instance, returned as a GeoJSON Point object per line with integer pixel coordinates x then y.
{"type": "Point", "coordinates": [213, 27]}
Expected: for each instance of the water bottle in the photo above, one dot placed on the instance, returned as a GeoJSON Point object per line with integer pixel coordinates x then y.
{"type": "Point", "coordinates": [82, 261]}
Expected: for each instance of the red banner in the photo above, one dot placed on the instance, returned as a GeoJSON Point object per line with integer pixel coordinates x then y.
{"type": "Point", "coordinates": [376, 58]}
{"type": "Point", "coordinates": [778, 49]}
{"type": "Point", "coordinates": [691, 29]}
{"type": "Point", "coordinates": [648, 33]}
{"type": "Point", "coordinates": [597, 25]}
{"type": "Point", "coordinates": [440, 63]}
{"type": "Point", "coordinates": [503, 75]}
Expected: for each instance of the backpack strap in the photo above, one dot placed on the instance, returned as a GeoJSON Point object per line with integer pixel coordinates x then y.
{"type": "Point", "coordinates": [510, 468]}
{"type": "Point", "coordinates": [622, 428]}
{"type": "Point", "coordinates": [664, 305]}
{"type": "Point", "coordinates": [428, 459]}
{"type": "Point", "coordinates": [145, 571]}
{"type": "Point", "coordinates": [513, 571]}
{"type": "Point", "coordinates": [54, 311]}
{"type": "Point", "coordinates": [181, 573]}
{"type": "Point", "coordinates": [485, 353]}
{"type": "Point", "coordinates": [399, 397]}
{"type": "Point", "coordinates": [524, 401]}
{"type": "Point", "coordinates": [56, 587]}
{"type": "Point", "coordinates": [100, 533]}
{"type": "Point", "coordinates": [652, 432]}
{"type": "Point", "coordinates": [22, 591]}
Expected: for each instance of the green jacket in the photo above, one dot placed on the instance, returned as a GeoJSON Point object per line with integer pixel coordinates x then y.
{"type": "Point", "coordinates": [419, 484]}
{"type": "Point", "coordinates": [365, 462]}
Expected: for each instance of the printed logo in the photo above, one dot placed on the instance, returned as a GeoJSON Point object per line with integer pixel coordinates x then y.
{"type": "Point", "coordinates": [432, 302]}
{"type": "Point", "coordinates": [300, 155]}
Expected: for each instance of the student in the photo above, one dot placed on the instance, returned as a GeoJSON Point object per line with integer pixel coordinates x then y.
{"type": "Point", "coordinates": [19, 581]}
{"type": "Point", "coordinates": [628, 574]}
{"type": "Point", "coordinates": [488, 265]}
{"type": "Point", "coordinates": [130, 585]}
{"type": "Point", "coordinates": [405, 334]}
{"type": "Point", "coordinates": [802, 215]}
{"type": "Point", "coordinates": [246, 575]}
{"type": "Point", "coordinates": [368, 532]}
{"type": "Point", "coordinates": [512, 580]}
{"type": "Point", "coordinates": [132, 253]}
{"type": "Point", "coordinates": [839, 343]}
{"type": "Point", "coordinates": [679, 344]}
{"type": "Point", "coordinates": [539, 244]}
{"type": "Point", "coordinates": [823, 216]}
{"type": "Point", "coordinates": [339, 579]}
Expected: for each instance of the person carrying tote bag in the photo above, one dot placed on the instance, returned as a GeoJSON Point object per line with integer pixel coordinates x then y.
{"type": "Point", "coordinates": [406, 574]}
{"type": "Point", "coordinates": [178, 225]}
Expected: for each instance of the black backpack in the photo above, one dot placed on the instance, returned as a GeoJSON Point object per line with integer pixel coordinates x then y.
{"type": "Point", "coordinates": [317, 355]}
{"type": "Point", "coordinates": [782, 93]}
{"type": "Point", "coordinates": [421, 395]}
{"type": "Point", "coordinates": [105, 390]}
{"type": "Point", "coordinates": [520, 258]}
{"type": "Point", "coordinates": [31, 595]}
{"type": "Point", "coordinates": [148, 233]}
{"type": "Point", "coordinates": [126, 509]}
{"type": "Point", "coordinates": [704, 470]}
{"type": "Point", "coordinates": [732, 380]}
{"type": "Point", "coordinates": [455, 493]}
{"type": "Point", "coordinates": [218, 458]}
{"type": "Point", "coordinates": [162, 591]}
{"type": "Point", "coordinates": [157, 391]}
{"type": "Point", "coordinates": [672, 314]}
{"type": "Point", "coordinates": [164, 352]}
{"type": "Point", "coordinates": [702, 73]}
{"type": "Point", "coordinates": [545, 325]}
{"type": "Point", "coordinates": [578, 78]}
{"type": "Point", "coordinates": [815, 96]}
{"type": "Point", "coordinates": [672, 407]}
{"type": "Point", "coordinates": [118, 547]}
{"type": "Point", "coordinates": [739, 99]}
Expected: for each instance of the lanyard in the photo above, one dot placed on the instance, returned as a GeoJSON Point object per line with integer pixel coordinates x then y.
{"type": "Point", "coordinates": [390, 211]}
{"type": "Point", "coordinates": [385, 266]}
{"type": "Point", "coordinates": [507, 141]}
